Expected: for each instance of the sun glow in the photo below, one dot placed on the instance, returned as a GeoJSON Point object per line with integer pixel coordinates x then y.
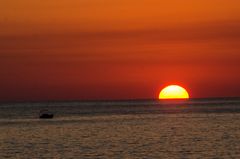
{"type": "Point", "coordinates": [173, 92]}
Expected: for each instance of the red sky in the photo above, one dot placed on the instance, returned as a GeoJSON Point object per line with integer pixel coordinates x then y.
{"type": "Point", "coordinates": [104, 49]}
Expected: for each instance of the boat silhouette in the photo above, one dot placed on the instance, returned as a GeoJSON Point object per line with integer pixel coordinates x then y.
{"type": "Point", "coordinates": [45, 114]}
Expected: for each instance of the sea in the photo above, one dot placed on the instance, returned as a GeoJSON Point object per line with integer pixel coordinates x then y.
{"type": "Point", "coordinates": [128, 129]}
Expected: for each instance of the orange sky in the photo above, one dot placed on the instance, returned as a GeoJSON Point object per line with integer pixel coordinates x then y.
{"type": "Point", "coordinates": [104, 49]}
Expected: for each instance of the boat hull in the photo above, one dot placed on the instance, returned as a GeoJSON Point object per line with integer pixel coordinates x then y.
{"type": "Point", "coordinates": [46, 116]}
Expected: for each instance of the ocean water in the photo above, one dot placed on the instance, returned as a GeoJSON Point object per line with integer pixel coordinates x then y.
{"type": "Point", "coordinates": [201, 128]}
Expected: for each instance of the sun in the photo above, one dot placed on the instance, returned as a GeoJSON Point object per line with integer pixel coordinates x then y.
{"type": "Point", "coordinates": [173, 92]}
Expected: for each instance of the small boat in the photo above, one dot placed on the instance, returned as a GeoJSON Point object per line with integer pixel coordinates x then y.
{"type": "Point", "coordinates": [45, 114]}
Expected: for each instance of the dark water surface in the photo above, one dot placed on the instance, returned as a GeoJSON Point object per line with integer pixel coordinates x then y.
{"type": "Point", "coordinates": [206, 128]}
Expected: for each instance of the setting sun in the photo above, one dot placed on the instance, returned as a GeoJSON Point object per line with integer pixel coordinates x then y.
{"type": "Point", "coordinates": [173, 92]}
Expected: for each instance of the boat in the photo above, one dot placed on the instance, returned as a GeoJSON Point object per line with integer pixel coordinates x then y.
{"type": "Point", "coordinates": [45, 114]}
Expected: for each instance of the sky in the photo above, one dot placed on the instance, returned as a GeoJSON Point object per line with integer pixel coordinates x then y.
{"type": "Point", "coordinates": [121, 49]}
